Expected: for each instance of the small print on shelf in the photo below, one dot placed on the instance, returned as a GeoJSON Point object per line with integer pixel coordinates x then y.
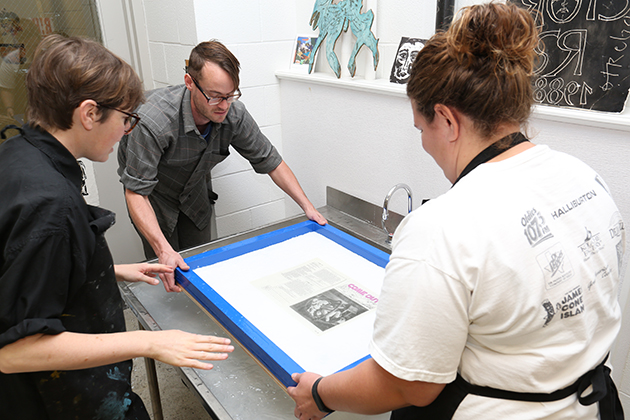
{"type": "Point", "coordinates": [302, 51]}
{"type": "Point", "coordinates": [407, 52]}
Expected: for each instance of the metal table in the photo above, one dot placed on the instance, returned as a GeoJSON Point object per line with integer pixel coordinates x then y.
{"type": "Point", "coordinates": [240, 388]}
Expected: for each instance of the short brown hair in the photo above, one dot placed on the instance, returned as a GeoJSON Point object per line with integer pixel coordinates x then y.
{"type": "Point", "coordinates": [214, 52]}
{"type": "Point", "coordinates": [67, 71]}
{"type": "Point", "coordinates": [482, 66]}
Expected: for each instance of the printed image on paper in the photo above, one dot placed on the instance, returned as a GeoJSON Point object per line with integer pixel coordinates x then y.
{"type": "Point", "coordinates": [319, 294]}
{"type": "Point", "coordinates": [328, 309]}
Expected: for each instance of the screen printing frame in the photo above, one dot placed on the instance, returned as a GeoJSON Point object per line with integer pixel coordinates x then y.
{"type": "Point", "coordinates": [274, 359]}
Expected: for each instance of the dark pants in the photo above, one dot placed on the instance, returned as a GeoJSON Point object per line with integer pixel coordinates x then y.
{"type": "Point", "coordinates": [184, 236]}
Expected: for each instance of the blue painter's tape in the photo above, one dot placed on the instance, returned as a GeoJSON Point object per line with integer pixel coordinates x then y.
{"type": "Point", "coordinates": [267, 352]}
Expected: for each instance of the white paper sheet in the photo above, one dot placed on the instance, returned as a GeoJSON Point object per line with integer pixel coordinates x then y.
{"type": "Point", "coordinates": [254, 284]}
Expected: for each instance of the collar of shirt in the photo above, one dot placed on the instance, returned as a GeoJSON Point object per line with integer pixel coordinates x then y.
{"type": "Point", "coordinates": [61, 157]}
{"type": "Point", "coordinates": [187, 116]}
{"type": "Point", "coordinates": [206, 132]}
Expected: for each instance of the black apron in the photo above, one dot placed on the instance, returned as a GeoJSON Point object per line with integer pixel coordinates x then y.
{"type": "Point", "coordinates": [444, 406]}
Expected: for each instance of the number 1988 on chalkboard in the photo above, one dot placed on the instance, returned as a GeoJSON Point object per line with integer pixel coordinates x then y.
{"type": "Point", "coordinates": [585, 59]}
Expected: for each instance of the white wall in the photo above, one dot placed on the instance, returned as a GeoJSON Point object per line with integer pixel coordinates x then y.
{"type": "Point", "coordinates": [260, 34]}
{"type": "Point", "coordinates": [120, 20]}
{"type": "Point", "coordinates": [362, 143]}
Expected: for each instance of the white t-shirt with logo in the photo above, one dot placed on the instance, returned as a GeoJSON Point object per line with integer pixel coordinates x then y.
{"type": "Point", "coordinates": [510, 278]}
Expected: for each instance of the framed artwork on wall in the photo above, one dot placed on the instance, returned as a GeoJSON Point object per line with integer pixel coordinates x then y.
{"type": "Point", "coordinates": [407, 51]}
{"type": "Point", "coordinates": [302, 50]}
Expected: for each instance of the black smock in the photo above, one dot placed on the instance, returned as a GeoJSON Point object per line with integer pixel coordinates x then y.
{"type": "Point", "coordinates": [56, 275]}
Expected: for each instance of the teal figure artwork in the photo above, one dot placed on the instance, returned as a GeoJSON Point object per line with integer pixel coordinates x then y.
{"type": "Point", "coordinates": [333, 19]}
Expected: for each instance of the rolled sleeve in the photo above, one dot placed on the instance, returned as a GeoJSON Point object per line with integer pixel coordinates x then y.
{"type": "Point", "coordinates": [139, 155]}
{"type": "Point", "coordinates": [137, 185]}
{"type": "Point", "coordinates": [250, 142]}
{"type": "Point", "coordinates": [35, 287]}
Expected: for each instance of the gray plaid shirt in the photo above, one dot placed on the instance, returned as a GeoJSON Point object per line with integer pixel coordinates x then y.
{"type": "Point", "coordinates": [166, 158]}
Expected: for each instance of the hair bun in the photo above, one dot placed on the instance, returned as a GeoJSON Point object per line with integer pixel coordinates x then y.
{"type": "Point", "coordinates": [497, 34]}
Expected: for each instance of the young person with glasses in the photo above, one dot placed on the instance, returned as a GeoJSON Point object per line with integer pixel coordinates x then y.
{"type": "Point", "coordinates": [185, 131]}
{"type": "Point", "coordinates": [64, 351]}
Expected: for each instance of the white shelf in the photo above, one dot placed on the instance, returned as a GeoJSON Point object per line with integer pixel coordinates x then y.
{"type": "Point", "coordinates": [376, 86]}
{"type": "Point", "coordinates": [606, 120]}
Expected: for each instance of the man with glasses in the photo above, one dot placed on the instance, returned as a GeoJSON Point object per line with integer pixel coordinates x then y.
{"type": "Point", "coordinates": [185, 131]}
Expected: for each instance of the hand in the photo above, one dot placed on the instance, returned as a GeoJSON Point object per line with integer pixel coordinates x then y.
{"type": "Point", "coordinates": [141, 272]}
{"type": "Point", "coordinates": [305, 407]}
{"type": "Point", "coordinates": [315, 216]}
{"type": "Point", "coordinates": [174, 260]}
{"type": "Point", "coordinates": [10, 111]}
{"type": "Point", "coordinates": [183, 349]}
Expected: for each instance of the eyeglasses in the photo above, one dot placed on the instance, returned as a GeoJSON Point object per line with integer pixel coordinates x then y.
{"type": "Point", "coordinates": [132, 118]}
{"type": "Point", "coordinates": [218, 99]}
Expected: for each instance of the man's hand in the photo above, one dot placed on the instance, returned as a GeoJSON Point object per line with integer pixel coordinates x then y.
{"type": "Point", "coordinates": [174, 260]}
{"type": "Point", "coordinates": [315, 216]}
{"type": "Point", "coordinates": [286, 180]}
{"type": "Point", "coordinates": [144, 219]}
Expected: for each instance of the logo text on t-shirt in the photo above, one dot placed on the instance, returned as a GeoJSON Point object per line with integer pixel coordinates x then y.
{"type": "Point", "coordinates": [564, 209]}
{"type": "Point", "coordinates": [572, 304]}
{"type": "Point", "coordinates": [591, 245]}
{"type": "Point", "coordinates": [555, 266]}
{"type": "Point", "coordinates": [535, 228]}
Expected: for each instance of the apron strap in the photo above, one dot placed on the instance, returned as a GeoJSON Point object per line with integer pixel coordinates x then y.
{"type": "Point", "coordinates": [491, 152]}
{"type": "Point", "coordinates": [442, 408]}
{"type": "Point", "coordinates": [604, 392]}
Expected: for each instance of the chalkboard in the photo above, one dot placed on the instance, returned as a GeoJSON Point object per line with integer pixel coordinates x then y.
{"type": "Point", "coordinates": [444, 14]}
{"type": "Point", "coordinates": [585, 62]}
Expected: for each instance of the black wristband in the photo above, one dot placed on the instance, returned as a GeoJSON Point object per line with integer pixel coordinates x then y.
{"type": "Point", "coordinates": [318, 401]}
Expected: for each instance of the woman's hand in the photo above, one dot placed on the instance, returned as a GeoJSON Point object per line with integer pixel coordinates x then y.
{"type": "Point", "coordinates": [71, 351]}
{"type": "Point", "coordinates": [184, 349]}
{"type": "Point", "coordinates": [141, 272]}
{"type": "Point", "coordinates": [305, 407]}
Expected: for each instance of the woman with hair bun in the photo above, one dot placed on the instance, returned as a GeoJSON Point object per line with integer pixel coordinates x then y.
{"type": "Point", "coordinates": [500, 296]}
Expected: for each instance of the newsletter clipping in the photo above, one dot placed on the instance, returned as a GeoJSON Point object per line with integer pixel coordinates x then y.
{"type": "Point", "coordinates": [319, 294]}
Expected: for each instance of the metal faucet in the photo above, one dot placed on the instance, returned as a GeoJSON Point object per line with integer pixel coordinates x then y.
{"type": "Point", "coordinates": [386, 204]}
